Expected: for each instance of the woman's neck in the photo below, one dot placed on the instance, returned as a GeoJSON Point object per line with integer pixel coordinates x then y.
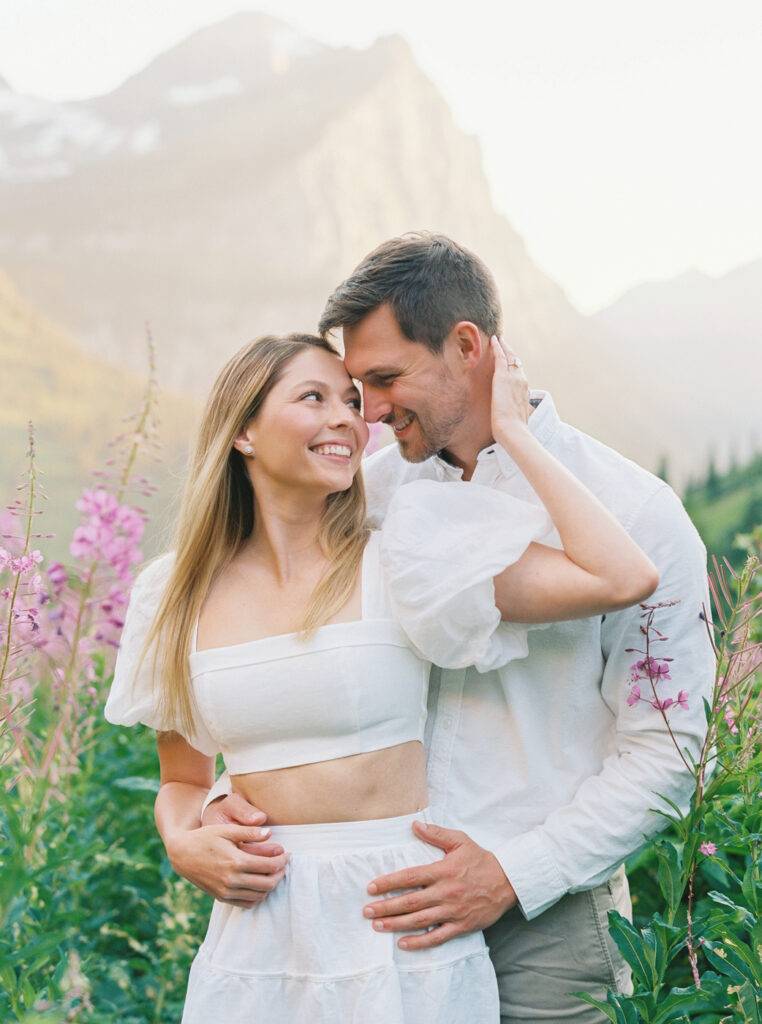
{"type": "Point", "coordinates": [285, 534]}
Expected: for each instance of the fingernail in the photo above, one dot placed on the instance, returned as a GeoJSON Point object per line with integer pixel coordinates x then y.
{"type": "Point", "coordinates": [403, 943]}
{"type": "Point", "coordinates": [378, 925]}
{"type": "Point", "coordinates": [264, 833]}
{"type": "Point", "coordinates": [368, 911]}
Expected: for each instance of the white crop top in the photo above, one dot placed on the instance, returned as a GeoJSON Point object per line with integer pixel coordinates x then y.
{"type": "Point", "coordinates": [427, 595]}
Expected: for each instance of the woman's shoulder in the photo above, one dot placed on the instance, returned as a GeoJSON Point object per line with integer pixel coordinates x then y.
{"type": "Point", "coordinates": [152, 579]}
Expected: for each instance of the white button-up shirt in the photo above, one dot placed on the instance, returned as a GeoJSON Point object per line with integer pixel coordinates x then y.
{"type": "Point", "coordinates": [543, 762]}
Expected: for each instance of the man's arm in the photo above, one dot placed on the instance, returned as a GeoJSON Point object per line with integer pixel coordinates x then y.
{"type": "Point", "coordinates": [579, 845]}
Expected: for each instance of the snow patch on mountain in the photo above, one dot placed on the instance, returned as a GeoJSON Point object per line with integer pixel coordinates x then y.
{"type": "Point", "coordinates": [187, 95]}
{"type": "Point", "coordinates": [145, 138]}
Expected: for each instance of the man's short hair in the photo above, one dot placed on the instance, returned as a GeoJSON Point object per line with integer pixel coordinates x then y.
{"type": "Point", "coordinates": [430, 283]}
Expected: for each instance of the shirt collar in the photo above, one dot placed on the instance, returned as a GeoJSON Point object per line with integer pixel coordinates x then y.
{"type": "Point", "coordinates": [544, 424]}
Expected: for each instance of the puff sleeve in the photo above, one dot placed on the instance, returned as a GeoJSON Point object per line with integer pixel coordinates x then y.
{"type": "Point", "coordinates": [441, 546]}
{"type": "Point", "coordinates": [133, 697]}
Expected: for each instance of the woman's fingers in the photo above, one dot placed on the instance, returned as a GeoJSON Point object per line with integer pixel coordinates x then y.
{"type": "Point", "coordinates": [510, 388]}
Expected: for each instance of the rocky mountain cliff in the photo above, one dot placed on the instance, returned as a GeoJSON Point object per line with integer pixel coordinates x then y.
{"type": "Point", "coordinates": [77, 403]}
{"type": "Point", "coordinates": [226, 189]}
{"type": "Point", "coordinates": [702, 338]}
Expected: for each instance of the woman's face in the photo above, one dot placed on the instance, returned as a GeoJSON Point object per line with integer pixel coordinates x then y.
{"type": "Point", "coordinates": [309, 433]}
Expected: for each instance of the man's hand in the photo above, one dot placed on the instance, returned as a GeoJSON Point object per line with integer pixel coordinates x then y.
{"type": "Point", "coordinates": [464, 892]}
{"type": "Point", "coordinates": [232, 809]}
{"type": "Point", "coordinates": [233, 863]}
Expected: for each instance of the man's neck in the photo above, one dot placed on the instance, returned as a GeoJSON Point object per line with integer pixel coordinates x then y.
{"type": "Point", "coordinates": [465, 453]}
{"type": "Point", "coordinates": [465, 456]}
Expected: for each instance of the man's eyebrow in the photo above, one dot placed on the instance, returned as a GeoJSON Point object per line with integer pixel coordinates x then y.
{"type": "Point", "coordinates": [382, 371]}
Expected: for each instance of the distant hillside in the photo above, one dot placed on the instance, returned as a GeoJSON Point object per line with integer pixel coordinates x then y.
{"type": "Point", "coordinates": [724, 505]}
{"type": "Point", "coordinates": [226, 189]}
{"type": "Point", "coordinates": [77, 403]}
{"type": "Point", "coordinates": [701, 336]}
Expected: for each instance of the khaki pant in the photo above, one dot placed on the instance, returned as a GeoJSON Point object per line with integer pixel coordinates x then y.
{"type": "Point", "coordinates": [566, 949]}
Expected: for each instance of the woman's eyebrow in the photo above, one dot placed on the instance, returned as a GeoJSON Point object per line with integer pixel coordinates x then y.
{"type": "Point", "coordinates": [324, 386]}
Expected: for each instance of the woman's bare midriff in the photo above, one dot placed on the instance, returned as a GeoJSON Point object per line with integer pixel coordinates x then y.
{"type": "Point", "coordinates": [380, 784]}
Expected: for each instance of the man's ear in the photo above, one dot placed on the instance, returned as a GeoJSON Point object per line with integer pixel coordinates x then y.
{"type": "Point", "coordinates": [465, 346]}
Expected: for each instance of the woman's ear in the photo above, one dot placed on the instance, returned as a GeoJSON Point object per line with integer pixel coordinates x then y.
{"type": "Point", "coordinates": [243, 444]}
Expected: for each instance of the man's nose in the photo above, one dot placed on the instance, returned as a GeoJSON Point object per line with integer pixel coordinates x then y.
{"type": "Point", "coordinates": [374, 406]}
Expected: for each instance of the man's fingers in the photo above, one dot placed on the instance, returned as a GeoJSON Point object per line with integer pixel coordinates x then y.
{"type": "Point", "coordinates": [408, 878]}
{"type": "Point", "coordinates": [428, 918]}
{"type": "Point", "coordinates": [233, 809]}
{"type": "Point", "coordinates": [241, 833]}
{"type": "Point", "coordinates": [445, 838]}
{"type": "Point", "coordinates": [406, 903]}
{"type": "Point", "coordinates": [436, 937]}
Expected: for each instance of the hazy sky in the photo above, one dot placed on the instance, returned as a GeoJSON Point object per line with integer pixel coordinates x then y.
{"type": "Point", "coordinates": [621, 138]}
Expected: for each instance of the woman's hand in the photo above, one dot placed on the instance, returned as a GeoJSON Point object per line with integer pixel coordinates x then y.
{"type": "Point", "coordinates": [510, 393]}
{"type": "Point", "coordinates": [233, 863]}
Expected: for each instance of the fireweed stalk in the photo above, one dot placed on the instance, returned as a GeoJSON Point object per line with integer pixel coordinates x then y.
{"type": "Point", "coordinates": [721, 828]}
{"type": "Point", "coordinates": [60, 632]}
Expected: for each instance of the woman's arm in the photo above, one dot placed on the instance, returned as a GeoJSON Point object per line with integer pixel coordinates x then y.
{"type": "Point", "coordinates": [600, 569]}
{"type": "Point", "coordinates": [219, 859]}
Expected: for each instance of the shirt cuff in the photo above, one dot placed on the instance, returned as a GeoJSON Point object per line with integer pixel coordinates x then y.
{"type": "Point", "coordinates": [222, 787]}
{"type": "Point", "coordinates": [532, 872]}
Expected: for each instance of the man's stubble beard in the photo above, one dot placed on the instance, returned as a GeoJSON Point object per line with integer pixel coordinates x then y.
{"type": "Point", "coordinates": [435, 434]}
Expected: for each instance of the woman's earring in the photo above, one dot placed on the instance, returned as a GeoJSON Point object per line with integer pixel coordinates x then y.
{"type": "Point", "coordinates": [249, 450]}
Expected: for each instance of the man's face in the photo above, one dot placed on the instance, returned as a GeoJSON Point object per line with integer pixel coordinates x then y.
{"type": "Point", "coordinates": [405, 385]}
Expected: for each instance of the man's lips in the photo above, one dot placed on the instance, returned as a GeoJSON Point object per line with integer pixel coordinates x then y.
{"type": "Point", "coordinates": [401, 425]}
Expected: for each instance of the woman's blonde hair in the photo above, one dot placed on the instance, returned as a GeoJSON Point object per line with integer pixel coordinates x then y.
{"type": "Point", "coordinates": [217, 515]}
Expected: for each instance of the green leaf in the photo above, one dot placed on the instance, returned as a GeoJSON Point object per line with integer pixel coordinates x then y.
{"type": "Point", "coordinates": [740, 914]}
{"type": "Point", "coordinates": [635, 948]}
{"type": "Point", "coordinates": [748, 1003]}
{"type": "Point", "coordinates": [726, 961]}
{"type": "Point", "coordinates": [750, 886]}
{"type": "Point", "coordinates": [670, 874]}
{"type": "Point", "coordinates": [606, 1008]}
{"type": "Point", "coordinates": [745, 954]}
{"type": "Point", "coordinates": [692, 1000]}
{"type": "Point", "coordinates": [136, 782]}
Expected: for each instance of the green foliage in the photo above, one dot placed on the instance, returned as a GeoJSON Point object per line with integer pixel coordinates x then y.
{"type": "Point", "coordinates": [724, 506]}
{"type": "Point", "coordinates": [695, 946]}
{"type": "Point", "coordinates": [94, 923]}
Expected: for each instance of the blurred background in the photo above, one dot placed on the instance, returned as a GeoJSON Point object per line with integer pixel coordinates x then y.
{"type": "Point", "coordinates": [215, 168]}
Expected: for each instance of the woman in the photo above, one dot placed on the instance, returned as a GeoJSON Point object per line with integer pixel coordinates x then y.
{"type": "Point", "coordinates": [285, 655]}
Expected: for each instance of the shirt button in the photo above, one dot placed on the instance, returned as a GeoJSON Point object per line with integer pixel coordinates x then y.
{"type": "Point", "coordinates": [447, 723]}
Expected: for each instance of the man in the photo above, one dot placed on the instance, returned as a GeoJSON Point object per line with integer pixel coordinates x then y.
{"type": "Point", "coordinates": [546, 767]}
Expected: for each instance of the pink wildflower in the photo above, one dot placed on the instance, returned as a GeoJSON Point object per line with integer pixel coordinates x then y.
{"type": "Point", "coordinates": [708, 848]}
{"type": "Point", "coordinates": [730, 720]}
{"type": "Point", "coordinates": [682, 700]}
{"type": "Point", "coordinates": [376, 431]}
{"type": "Point", "coordinates": [653, 668]}
{"type": "Point", "coordinates": [58, 576]}
{"type": "Point", "coordinates": [634, 697]}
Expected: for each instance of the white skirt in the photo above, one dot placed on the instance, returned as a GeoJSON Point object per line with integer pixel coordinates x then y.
{"type": "Point", "coordinates": [307, 954]}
